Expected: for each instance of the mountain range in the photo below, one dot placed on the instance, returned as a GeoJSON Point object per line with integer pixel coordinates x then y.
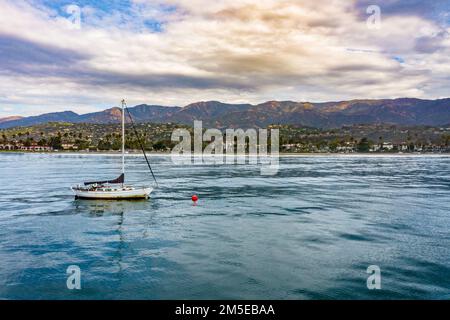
{"type": "Point", "coordinates": [403, 111]}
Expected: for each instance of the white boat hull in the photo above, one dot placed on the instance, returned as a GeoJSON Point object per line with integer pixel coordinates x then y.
{"type": "Point", "coordinates": [135, 193]}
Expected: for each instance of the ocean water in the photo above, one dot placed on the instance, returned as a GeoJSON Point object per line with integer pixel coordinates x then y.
{"type": "Point", "coordinates": [309, 232]}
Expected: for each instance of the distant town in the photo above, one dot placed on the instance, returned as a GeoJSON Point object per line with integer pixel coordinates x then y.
{"type": "Point", "coordinates": [80, 137]}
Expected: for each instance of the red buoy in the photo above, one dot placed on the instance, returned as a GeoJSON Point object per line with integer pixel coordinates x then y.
{"type": "Point", "coordinates": [194, 198]}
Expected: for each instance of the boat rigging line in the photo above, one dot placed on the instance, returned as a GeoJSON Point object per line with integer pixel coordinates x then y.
{"type": "Point", "coordinates": [140, 144]}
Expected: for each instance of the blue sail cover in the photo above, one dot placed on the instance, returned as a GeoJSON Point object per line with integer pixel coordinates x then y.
{"type": "Point", "coordinates": [120, 179]}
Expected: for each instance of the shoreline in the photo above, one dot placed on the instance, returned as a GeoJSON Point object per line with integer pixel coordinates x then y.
{"type": "Point", "coordinates": [281, 154]}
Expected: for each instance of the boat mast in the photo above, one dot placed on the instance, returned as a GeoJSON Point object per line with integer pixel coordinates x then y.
{"type": "Point", "coordinates": [123, 136]}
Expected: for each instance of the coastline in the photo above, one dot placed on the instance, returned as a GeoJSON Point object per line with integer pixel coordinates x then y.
{"type": "Point", "coordinates": [281, 154]}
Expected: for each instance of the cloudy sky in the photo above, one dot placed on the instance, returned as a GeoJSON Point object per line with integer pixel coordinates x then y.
{"type": "Point", "coordinates": [86, 55]}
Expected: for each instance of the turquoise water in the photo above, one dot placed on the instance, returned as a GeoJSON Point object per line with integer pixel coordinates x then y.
{"type": "Point", "coordinates": [309, 232]}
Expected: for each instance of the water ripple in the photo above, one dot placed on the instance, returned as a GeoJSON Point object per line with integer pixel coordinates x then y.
{"type": "Point", "coordinates": [310, 232]}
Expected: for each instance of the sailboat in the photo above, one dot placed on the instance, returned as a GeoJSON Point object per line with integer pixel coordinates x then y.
{"type": "Point", "coordinates": [115, 189]}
